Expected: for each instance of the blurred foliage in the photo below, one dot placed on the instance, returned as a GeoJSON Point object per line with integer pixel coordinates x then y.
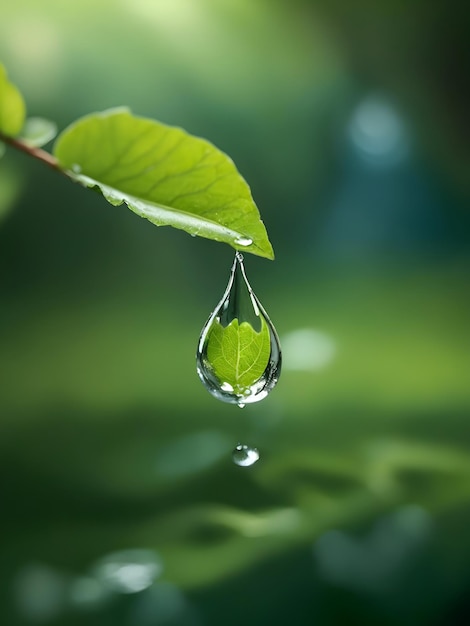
{"type": "Point", "coordinates": [37, 131]}
{"type": "Point", "coordinates": [12, 107]}
{"type": "Point", "coordinates": [115, 461]}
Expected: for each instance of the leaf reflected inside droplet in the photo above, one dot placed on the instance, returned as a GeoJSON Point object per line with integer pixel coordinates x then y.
{"type": "Point", "coordinates": [239, 356]}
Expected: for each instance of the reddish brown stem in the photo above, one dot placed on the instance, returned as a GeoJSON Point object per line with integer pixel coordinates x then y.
{"type": "Point", "coordinates": [36, 153]}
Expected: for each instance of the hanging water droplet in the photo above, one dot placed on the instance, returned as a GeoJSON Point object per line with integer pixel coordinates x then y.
{"type": "Point", "coordinates": [243, 241]}
{"type": "Point", "coordinates": [244, 455]}
{"type": "Point", "coordinates": [239, 355]}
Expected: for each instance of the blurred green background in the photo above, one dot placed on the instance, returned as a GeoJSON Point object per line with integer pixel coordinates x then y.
{"type": "Point", "coordinates": [119, 502]}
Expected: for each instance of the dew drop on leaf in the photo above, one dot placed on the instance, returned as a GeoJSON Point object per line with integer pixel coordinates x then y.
{"type": "Point", "coordinates": [243, 241]}
{"type": "Point", "coordinates": [239, 356]}
{"type": "Point", "coordinates": [244, 455]}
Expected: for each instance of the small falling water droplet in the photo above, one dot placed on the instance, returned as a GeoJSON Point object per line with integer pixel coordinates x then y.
{"type": "Point", "coordinates": [243, 241]}
{"type": "Point", "coordinates": [244, 456]}
{"type": "Point", "coordinates": [239, 356]}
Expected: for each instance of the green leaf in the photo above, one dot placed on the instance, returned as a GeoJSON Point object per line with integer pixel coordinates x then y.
{"type": "Point", "coordinates": [12, 106]}
{"type": "Point", "coordinates": [238, 354]}
{"type": "Point", "coordinates": [165, 175]}
{"type": "Point", "coordinates": [37, 131]}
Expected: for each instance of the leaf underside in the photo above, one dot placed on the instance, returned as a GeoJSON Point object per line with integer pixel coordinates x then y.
{"type": "Point", "coordinates": [164, 175]}
{"type": "Point", "coordinates": [238, 354]}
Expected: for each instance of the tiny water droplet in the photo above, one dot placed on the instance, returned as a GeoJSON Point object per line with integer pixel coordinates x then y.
{"type": "Point", "coordinates": [243, 241]}
{"type": "Point", "coordinates": [244, 456]}
{"type": "Point", "coordinates": [238, 355]}
{"type": "Point", "coordinates": [76, 168]}
{"type": "Point", "coordinates": [241, 405]}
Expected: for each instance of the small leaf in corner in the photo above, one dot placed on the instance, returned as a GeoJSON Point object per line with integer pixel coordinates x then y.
{"type": "Point", "coordinates": [12, 106]}
{"type": "Point", "coordinates": [38, 131]}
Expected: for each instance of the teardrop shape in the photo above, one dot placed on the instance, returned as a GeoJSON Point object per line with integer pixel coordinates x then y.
{"type": "Point", "coordinates": [239, 355]}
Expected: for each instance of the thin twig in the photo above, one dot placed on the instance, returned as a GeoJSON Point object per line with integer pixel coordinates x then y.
{"type": "Point", "coordinates": [36, 153]}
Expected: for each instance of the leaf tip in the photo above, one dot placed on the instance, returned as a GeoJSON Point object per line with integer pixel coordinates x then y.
{"type": "Point", "coordinates": [266, 251]}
